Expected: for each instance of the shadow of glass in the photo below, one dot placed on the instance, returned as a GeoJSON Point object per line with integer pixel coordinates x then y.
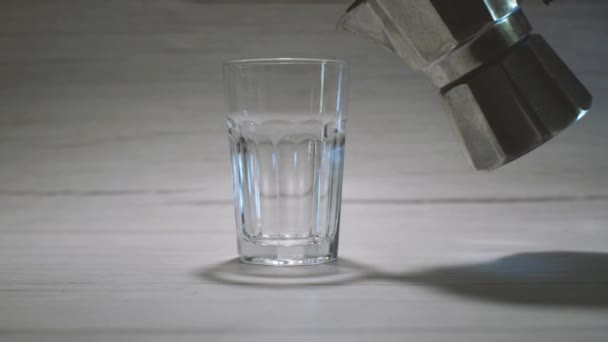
{"type": "Point", "coordinates": [234, 272]}
{"type": "Point", "coordinates": [574, 279]}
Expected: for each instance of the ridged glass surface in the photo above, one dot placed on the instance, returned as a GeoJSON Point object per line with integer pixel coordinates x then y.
{"type": "Point", "coordinates": [287, 179]}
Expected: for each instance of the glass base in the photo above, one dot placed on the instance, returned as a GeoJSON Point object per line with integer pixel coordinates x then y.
{"type": "Point", "coordinates": [291, 255]}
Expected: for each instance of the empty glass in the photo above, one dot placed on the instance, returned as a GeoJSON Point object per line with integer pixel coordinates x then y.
{"type": "Point", "coordinates": [287, 128]}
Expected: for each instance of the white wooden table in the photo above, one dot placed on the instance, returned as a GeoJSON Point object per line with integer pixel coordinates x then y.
{"type": "Point", "coordinates": [115, 213]}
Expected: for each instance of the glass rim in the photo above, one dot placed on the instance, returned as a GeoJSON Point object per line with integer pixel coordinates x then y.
{"type": "Point", "coordinates": [280, 61]}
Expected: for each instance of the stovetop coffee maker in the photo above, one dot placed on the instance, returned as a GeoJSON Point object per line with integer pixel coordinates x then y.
{"type": "Point", "coordinates": [506, 89]}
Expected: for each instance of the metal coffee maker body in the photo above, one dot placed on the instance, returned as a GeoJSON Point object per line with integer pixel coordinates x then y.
{"type": "Point", "coordinates": [506, 89]}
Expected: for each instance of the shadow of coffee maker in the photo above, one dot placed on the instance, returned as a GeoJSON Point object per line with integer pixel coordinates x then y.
{"type": "Point", "coordinates": [567, 279]}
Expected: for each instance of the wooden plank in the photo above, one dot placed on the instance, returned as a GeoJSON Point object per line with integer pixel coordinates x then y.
{"type": "Point", "coordinates": [115, 213]}
{"type": "Point", "coordinates": [93, 242]}
{"type": "Point", "coordinates": [148, 110]}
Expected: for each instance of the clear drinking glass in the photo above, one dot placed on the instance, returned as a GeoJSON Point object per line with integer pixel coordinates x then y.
{"type": "Point", "coordinates": [287, 128]}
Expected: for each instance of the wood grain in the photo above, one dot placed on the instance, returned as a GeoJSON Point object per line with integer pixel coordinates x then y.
{"type": "Point", "coordinates": [115, 213]}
